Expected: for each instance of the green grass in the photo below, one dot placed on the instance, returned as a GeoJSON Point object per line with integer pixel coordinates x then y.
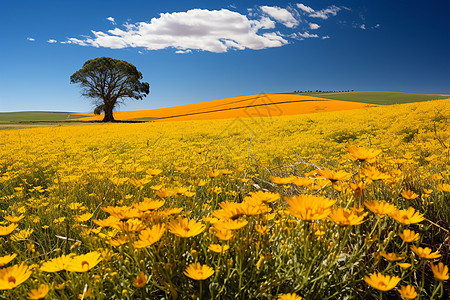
{"type": "Point", "coordinates": [381, 98]}
{"type": "Point", "coordinates": [33, 116]}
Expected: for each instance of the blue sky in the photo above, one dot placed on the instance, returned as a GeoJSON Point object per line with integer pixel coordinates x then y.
{"type": "Point", "coordinates": [193, 51]}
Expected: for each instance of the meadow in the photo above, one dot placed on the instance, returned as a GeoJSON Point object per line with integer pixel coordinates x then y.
{"type": "Point", "coordinates": [338, 205]}
{"type": "Point", "coordinates": [380, 98]}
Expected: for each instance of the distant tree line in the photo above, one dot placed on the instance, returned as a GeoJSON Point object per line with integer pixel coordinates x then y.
{"type": "Point", "coordinates": [320, 91]}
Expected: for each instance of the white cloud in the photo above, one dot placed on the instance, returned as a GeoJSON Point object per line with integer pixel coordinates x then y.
{"type": "Point", "coordinates": [76, 42]}
{"type": "Point", "coordinates": [281, 15]}
{"type": "Point", "coordinates": [363, 26]}
{"type": "Point", "coordinates": [305, 8]}
{"type": "Point", "coordinates": [325, 13]}
{"type": "Point", "coordinates": [304, 35]}
{"type": "Point", "coordinates": [30, 39]}
{"type": "Point", "coordinates": [196, 29]}
{"type": "Point", "coordinates": [111, 19]}
{"type": "Point", "coordinates": [51, 41]}
{"type": "Point", "coordinates": [183, 51]}
{"type": "Point", "coordinates": [325, 37]}
{"type": "Point", "coordinates": [307, 35]}
{"type": "Point", "coordinates": [314, 26]}
{"type": "Point", "coordinates": [376, 26]}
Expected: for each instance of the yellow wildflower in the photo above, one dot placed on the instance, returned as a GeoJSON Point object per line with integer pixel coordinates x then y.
{"type": "Point", "coordinates": [119, 241]}
{"type": "Point", "coordinates": [345, 217]}
{"type": "Point", "coordinates": [85, 262]}
{"type": "Point", "coordinates": [121, 212]}
{"type": "Point", "coordinates": [149, 204]}
{"type": "Point", "coordinates": [425, 252]}
{"type": "Point", "coordinates": [140, 281]}
{"type": "Point", "coordinates": [261, 229]}
{"type": "Point", "coordinates": [404, 265]}
{"type": "Point", "coordinates": [407, 194]}
{"type": "Point", "coordinates": [197, 271]}
{"type": "Point", "coordinates": [22, 235]}
{"type": "Point", "coordinates": [83, 218]}
{"type": "Point", "coordinates": [150, 236]}
{"type": "Point", "coordinates": [363, 154]}
{"type": "Point", "coordinates": [108, 222]}
{"type": "Point", "coordinates": [440, 271]}
{"type": "Point", "coordinates": [223, 235]}
{"type": "Point", "coordinates": [444, 187]}
{"type": "Point", "coordinates": [406, 217]}
{"type": "Point", "coordinates": [183, 227]}
{"type": "Point", "coordinates": [309, 207]}
{"type": "Point", "coordinates": [14, 219]}
{"type": "Point", "coordinates": [57, 264]}
{"type": "Point", "coordinates": [13, 276]}
{"type": "Point", "coordinates": [380, 208]}
{"type": "Point", "coordinates": [390, 256]}
{"type": "Point", "coordinates": [334, 176]}
{"type": "Point", "coordinates": [5, 230]}
{"type": "Point", "coordinates": [230, 224]}
{"type": "Point", "coordinates": [289, 297]}
{"type": "Point", "coordinates": [382, 282]}
{"type": "Point", "coordinates": [407, 292]}
{"type": "Point", "coordinates": [409, 236]}
{"type": "Point", "coordinates": [4, 260]}
{"type": "Point", "coordinates": [218, 248]}
{"type": "Point", "coordinates": [262, 196]}
{"type": "Point", "coordinates": [39, 293]}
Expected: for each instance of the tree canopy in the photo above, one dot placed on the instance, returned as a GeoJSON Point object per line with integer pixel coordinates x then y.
{"type": "Point", "coordinates": [109, 82]}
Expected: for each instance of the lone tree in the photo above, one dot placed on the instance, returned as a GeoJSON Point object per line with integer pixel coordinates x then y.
{"type": "Point", "coordinates": [109, 81]}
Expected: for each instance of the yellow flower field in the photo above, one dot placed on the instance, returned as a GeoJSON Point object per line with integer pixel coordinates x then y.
{"type": "Point", "coordinates": [270, 105]}
{"type": "Point", "coordinates": [339, 205]}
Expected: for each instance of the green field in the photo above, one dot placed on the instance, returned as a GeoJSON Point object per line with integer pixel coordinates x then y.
{"type": "Point", "coordinates": [26, 119]}
{"type": "Point", "coordinates": [33, 116]}
{"type": "Point", "coordinates": [381, 98]}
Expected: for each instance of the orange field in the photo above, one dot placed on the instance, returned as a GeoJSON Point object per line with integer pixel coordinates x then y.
{"type": "Point", "coordinates": [242, 107]}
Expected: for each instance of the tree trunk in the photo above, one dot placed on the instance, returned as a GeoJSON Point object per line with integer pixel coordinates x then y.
{"type": "Point", "coordinates": [108, 114]}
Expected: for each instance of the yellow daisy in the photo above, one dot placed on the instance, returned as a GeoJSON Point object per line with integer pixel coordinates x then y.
{"type": "Point", "coordinates": [197, 271]}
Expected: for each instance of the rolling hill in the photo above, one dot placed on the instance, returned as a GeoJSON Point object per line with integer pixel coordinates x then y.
{"type": "Point", "coordinates": [251, 106]}
{"type": "Point", "coordinates": [380, 98]}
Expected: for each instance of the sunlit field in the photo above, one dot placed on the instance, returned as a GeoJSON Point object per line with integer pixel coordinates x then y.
{"type": "Point", "coordinates": [337, 205]}
{"type": "Point", "coordinates": [235, 107]}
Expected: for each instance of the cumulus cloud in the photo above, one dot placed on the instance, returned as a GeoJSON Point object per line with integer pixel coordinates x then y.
{"type": "Point", "coordinates": [325, 13]}
{"type": "Point", "coordinates": [52, 41]}
{"type": "Point", "coordinates": [363, 26]}
{"type": "Point", "coordinates": [196, 29]}
{"type": "Point", "coordinates": [305, 8]}
{"type": "Point", "coordinates": [281, 15]}
{"type": "Point", "coordinates": [213, 30]}
{"type": "Point", "coordinates": [325, 37]}
{"type": "Point", "coordinates": [313, 26]}
{"type": "Point", "coordinates": [30, 39]}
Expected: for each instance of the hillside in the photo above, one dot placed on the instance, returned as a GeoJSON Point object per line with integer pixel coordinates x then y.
{"type": "Point", "coordinates": [380, 98]}
{"type": "Point", "coordinates": [251, 106]}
